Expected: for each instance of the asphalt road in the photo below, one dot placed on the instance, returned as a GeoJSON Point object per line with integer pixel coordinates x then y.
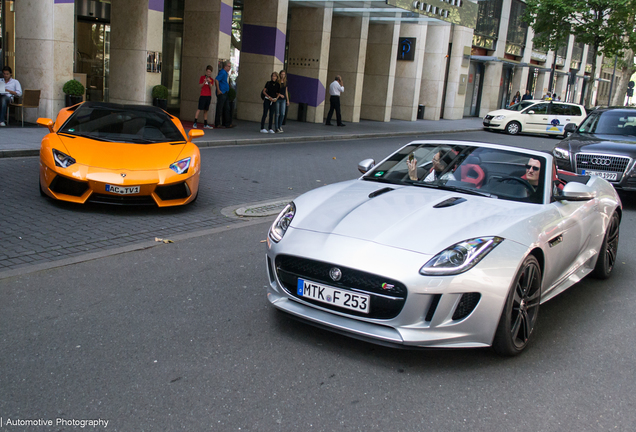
{"type": "Point", "coordinates": [181, 337]}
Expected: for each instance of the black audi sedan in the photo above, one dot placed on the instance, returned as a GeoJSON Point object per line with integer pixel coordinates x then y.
{"type": "Point", "coordinates": [603, 145]}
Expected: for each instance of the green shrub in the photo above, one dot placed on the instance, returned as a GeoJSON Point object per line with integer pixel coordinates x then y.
{"type": "Point", "coordinates": [73, 88]}
{"type": "Point", "coordinates": [160, 92]}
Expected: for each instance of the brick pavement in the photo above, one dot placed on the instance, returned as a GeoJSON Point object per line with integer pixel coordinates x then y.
{"type": "Point", "coordinates": [34, 230]}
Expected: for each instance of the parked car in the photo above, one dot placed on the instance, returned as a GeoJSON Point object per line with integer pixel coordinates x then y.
{"type": "Point", "coordinates": [604, 145]}
{"type": "Point", "coordinates": [119, 154]}
{"type": "Point", "coordinates": [461, 257]}
{"type": "Point", "coordinates": [535, 116]}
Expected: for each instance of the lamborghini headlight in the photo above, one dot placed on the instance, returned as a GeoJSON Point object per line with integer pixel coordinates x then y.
{"type": "Point", "coordinates": [499, 117]}
{"type": "Point", "coordinates": [62, 160]}
{"type": "Point", "coordinates": [460, 257]}
{"type": "Point", "coordinates": [181, 167]}
{"type": "Point", "coordinates": [282, 222]}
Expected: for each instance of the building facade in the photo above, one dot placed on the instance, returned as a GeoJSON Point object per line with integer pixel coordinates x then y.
{"type": "Point", "coordinates": [399, 59]}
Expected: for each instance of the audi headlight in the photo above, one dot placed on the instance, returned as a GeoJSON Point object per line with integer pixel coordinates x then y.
{"type": "Point", "coordinates": [282, 222]}
{"type": "Point", "coordinates": [181, 167]}
{"type": "Point", "coordinates": [460, 257]}
{"type": "Point", "coordinates": [62, 160]}
{"type": "Point", "coordinates": [499, 117]}
{"type": "Point", "coordinates": [561, 153]}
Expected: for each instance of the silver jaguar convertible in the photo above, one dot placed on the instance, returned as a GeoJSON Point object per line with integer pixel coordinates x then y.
{"type": "Point", "coordinates": [442, 244]}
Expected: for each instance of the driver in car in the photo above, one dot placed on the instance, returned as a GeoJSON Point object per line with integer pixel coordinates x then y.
{"type": "Point", "coordinates": [533, 171]}
{"type": "Point", "coordinates": [440, 161]}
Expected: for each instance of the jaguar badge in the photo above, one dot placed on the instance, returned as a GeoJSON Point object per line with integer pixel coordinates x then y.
{"type": "Point", "coordinates": [335, 274]}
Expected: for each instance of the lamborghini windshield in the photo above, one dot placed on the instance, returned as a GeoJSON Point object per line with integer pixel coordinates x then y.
{"type": "Point", "coordinates": [122, 123]}
{"type": "Point", "coordinates": [467, 169]}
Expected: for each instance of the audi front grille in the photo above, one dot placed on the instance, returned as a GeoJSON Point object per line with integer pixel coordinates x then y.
{"type": "Point", "coordinates": [595, 162]}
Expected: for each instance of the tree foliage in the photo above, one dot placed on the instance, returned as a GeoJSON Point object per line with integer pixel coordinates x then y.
{"type": "Point", "coordinates": [605, 25]}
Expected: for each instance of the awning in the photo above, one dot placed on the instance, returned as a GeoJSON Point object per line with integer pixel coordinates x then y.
{"type": "Point", "coordinates": [495, 59]}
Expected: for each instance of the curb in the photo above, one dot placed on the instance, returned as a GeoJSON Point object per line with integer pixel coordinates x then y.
{"type": "Point", "coordinates": [273, 140]}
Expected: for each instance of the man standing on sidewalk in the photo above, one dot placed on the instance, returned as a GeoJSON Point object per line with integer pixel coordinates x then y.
{"type": "Point", "coordinates": [335, 89]}
{"type": "Point", "coordinates": [222, 99]}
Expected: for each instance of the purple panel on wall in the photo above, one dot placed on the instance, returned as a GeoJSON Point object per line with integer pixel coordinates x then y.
{"type": "Point", "coordinates": [305, 90]}
{"type": "Point", "coordinates": [225, 22]}
{"type": "Point", "coordinates": [64, 1]}
{"type": "Point", "coordinates": [264, 40]}
{"type": "Point", "coordinates": [155, 5]}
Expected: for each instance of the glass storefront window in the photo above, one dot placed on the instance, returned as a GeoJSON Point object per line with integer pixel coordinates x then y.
{"type": "Point", "coordinates": [488, 19]}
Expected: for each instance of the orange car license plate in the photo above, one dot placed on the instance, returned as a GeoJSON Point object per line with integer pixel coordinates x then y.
{"type": "Point", "coordinates": [122, 190]}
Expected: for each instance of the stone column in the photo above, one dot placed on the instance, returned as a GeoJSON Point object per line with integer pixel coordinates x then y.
{"type": "Point", "coordinates": [580, 76]}
{"type": "Point", "coordinates": [44, 52]}
{"type": "Point", "coordinates": [408, 75]}
{"type": "Point", "coordinates": [347, 58]}
{"type": "Point", "coordinates": [562, 80]}
{"type": "Point", "coordinates": [264, 29]}
{"type": "Point", "coordinates": [543, 78]}
{"type": "Point", "coordinates": [307, 62]}
{"type": "Point", "coordinates": [129, 32]}
{"type": "Point", "coordinates": [433, 73]}
{"type": "Point", "coordinates": [207, 38]}
{"type": "Point", "coordinates": [520, 77]}
{"type": "Point", "coordinates": [458, 71]}
{"type": "Point", "coordinates": [379, 76]}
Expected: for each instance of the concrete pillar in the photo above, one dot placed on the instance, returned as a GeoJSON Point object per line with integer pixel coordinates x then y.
{"type": "Point", "coordinates": [129, 33]}
{"type": "Point", "coordinates": [379, 76]}
{"type": "Point", "coordinates": [580, 75]}
{"type": "Point", "coordinates": [408, 75]}
{"type": "Point", "coordinates": [347, 58]}
{"type": "Point", "coordinates": [562, 80]}
{"type": "Point", "coordinates": [207, 38]}
{"type": "Point", "coordinates": [263, 52]}
{"type": "Point", "coordinates": [520, 77]}
{"type": "Point", "coordinates": [543, 78]}
{"type": "Point", "coordinates": [433, 75]}
{"type": "Point", "coordinates": [154, 42]}
{"type": "Point", "coordinates": [307, 62]}
{"type": "Point", "coordinates": [458, 71]}
{"type": "Point", "coordinates": [44, 52]}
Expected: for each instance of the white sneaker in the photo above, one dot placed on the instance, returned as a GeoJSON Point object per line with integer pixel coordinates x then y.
{"type": "Point", "coordinates": [2, 124]}
{"type": "Point", "coordinates": [271, 131]}
{"type": "Point", "coordinates": [280, 129]}
{"type": "Point", "coordinates": [263, 130]}
{"type": "Point", "coordinates": [207, 127]}
{"type": "Point", "coordinates": [194, 125]}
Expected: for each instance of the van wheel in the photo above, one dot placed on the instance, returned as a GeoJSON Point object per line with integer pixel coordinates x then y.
{"type": "Point", "coordinates": [513, 128]}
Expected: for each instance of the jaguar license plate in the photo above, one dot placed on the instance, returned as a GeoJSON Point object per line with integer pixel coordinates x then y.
{"type": "Point", "coordinates": [611, 176]}
{"type": "Point", "coordinates": [326, 294]}
{"type": "Point", "coordinates": [122, 190]}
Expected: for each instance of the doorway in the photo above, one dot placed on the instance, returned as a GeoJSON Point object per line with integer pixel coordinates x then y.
{"type": "Point", "coordinates": [473, 89]}
{"type": "Point", "coordinates": [92, 57]}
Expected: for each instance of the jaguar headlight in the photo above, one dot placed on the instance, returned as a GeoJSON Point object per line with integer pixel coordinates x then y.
{"type": "Point", "coordinates": [460, 257]}
{"type": "Point", "coordinates": [499, 117]}
{"type": "Point", "coordinates": [561, 153]}
{"type": "Point", "coordinates": [62, 160]}
{"type": "Point", "coordinates": [181, 167]}
{"type": "Point", "coordinates": [282, 222]}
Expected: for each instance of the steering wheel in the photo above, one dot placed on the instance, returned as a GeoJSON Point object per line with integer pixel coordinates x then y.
{"type": "Point", "coordinates": [524, 182]}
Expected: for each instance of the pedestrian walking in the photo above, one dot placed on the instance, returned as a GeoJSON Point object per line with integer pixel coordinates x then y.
{"type": "Point", "coordinates": [283, 101]}
{"type": "Point", "coordinates": [205, 82]}
{"type": "Point", "coordinates": [223, 115]}
{"type": "Point", "coordinates": [270, 95]}
{"type": "Point", "coordinates": [335, 90]}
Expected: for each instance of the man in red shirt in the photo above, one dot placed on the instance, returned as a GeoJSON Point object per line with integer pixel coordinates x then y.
{"type": "Point", "coordinates": [206, 82]}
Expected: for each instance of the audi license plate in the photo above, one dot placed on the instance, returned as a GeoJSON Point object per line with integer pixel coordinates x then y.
{"type": "Point", "coordinates": [122, 190]}
{"type": "Point", "coordinates": [611, 176]}
{"type": "Point", "coordinates": [325, 294]}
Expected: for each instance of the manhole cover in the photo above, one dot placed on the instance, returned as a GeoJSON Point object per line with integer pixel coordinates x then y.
{"type": "Point", "coordinates": [264, 209]}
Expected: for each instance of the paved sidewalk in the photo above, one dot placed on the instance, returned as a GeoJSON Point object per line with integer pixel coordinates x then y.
{"type": "Point", "coordinates": [16, 141]}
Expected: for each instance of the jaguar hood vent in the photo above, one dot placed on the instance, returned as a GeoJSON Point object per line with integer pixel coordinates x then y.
{"type": "Point", "coordinates": [380, 192]}
{"type": "Point", "coordinates": [450, 202]}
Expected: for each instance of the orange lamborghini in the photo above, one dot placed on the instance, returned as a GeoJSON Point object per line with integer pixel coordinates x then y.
{"type": "Point", "coordinates": [119, 154]}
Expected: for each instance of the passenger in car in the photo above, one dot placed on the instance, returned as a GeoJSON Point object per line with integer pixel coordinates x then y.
{"type": "Point", "coordinates": [440, 162]}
